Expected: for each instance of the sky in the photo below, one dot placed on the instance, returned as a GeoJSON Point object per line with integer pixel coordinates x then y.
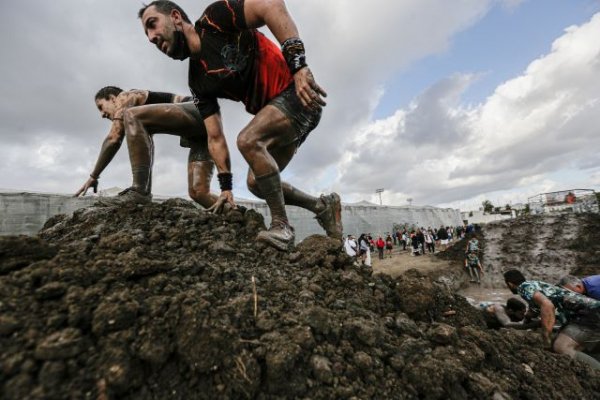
{"type": "Point", "coordinates": [445, 103]}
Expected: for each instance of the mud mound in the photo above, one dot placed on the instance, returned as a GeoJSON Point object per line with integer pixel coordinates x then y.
{"type": "Point", "coordinates": [587, 247]}
{"type": "Point", "coordinates": [168, 302]}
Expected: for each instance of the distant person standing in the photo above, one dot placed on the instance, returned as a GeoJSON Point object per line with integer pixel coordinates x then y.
{"type": "Point", "coordinates": [405, 239]}
{"type": "Point", "coordinates": [389, 245]}
{"type": "Point", "coordinates": [380, 244]}
{"type": "Point", "coordinates": [443, 236]}
{"type": "Point", "coordinates": [364, 250]}
{"type": "Point", "coordinates": [429, 242]}
{"type": "Point", "coordinates": [350, 246]}
{"type": "Point", "coordinates": [420, 237]}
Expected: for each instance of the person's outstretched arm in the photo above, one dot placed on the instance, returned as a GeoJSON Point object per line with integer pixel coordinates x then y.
{"type": "Point", "coordinates": [110, 146]}
{"type": "Point", "coordinates": [275, 15]}
{"type": "Point", "coordinates": [546, 314]}
{"type": "Point", "coordinates": [217, 147]}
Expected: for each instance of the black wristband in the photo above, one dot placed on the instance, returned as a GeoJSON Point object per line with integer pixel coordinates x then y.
{"type": "Point", "coordinates": [225, 180]}
{"type": "Point", "coordinates": [293, 52]}
{"type": "Point", "coordinates": [95, 177]}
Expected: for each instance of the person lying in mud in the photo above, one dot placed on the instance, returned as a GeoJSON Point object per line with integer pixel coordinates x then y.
{"type": "Point", "coordinates": [588, 286]}
{"type": "Point", "coordinates": [473, 267]}
{"type": "Point", "coordinates": [512, 315]}
{"type": "Point", "coordinates": [578, 314]}
{"type": "Point", "coordinates": [231, 59]}
{"type": "Point", "coordinates": [138, 114]}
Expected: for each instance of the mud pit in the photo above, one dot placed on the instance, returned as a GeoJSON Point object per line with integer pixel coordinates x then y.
{"type": "Point", "coordinates": [157, 302]}
{"type": "Point", "coordinates": [543, 247]}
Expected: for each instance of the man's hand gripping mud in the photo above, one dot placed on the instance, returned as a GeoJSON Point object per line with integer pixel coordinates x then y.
{"type": "Point", "coordinates": [90, 183]}
{"type": "Point", "coordinates": [224, 203]}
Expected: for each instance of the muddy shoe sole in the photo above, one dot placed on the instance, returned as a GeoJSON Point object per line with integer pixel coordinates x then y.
{"type": "Point", "coordinates": [279, 244]}
{"type": "Point", "coordinates": [330, 218]}
{"type": "Point", "coordinates": [127, 196]}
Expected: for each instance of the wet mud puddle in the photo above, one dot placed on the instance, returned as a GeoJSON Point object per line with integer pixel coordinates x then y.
{"type": "Point", "coordinates": [477, 294]}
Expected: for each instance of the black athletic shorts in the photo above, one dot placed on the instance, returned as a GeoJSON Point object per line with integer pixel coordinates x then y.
{"type": "Point", "coordinates": [303, 119]}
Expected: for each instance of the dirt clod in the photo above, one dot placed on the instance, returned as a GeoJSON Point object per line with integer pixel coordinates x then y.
{"type": "Point", "coordinates": [166, 301]}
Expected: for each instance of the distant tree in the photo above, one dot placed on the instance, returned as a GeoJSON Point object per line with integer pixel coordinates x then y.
{"type": "Point", "coordinates": [496, 209]}
{"type": "Point", "coordinates": [507, 207]}
{"type": "Point", "coordinates": [527, 209]}
{"type": "Point", "coordinates": [470, 213]}
{"type": "Point", "coordinates": [488, 207]}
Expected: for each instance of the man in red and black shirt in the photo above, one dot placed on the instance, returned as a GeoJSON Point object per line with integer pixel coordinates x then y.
{"type": "Point", "coordinates": [230, 59]}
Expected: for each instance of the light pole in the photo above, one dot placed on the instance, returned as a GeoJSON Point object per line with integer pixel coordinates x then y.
{"type": "Point", "coordinates": [379, 191]}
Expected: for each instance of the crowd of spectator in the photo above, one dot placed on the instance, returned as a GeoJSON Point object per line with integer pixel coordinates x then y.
{"type": "Point", "coordinates": [416, 240]}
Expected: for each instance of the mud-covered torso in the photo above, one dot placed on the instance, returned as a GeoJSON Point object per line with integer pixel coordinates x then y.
{"type": "Point", "coordinates": [234, 63]}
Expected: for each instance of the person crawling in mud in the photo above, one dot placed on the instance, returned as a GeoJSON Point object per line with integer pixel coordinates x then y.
{"type": "Point", "coordinates": [138, 114]}
{"type": "Point", "coordinates": [230, 59]}
{"type": "Point", "coordinates": [578, 314]}
{"type": "Point", "coordinates": [473, 267]}
{"type": "Point", "coordinates": [513, 315]}
{"type": "Point", "coordinates": [588, 286]}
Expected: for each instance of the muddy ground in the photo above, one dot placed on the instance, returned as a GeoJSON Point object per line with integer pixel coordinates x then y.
{"type": "Point", "coordinates": [168, 302]}
{"type": "Point", "coordinates": [542, 247]}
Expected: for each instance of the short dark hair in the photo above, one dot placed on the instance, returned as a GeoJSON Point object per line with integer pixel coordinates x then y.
{"type": "Point", "coordinates": [514, 276]}
{"type": "Point", "coordinates": [164, 7]}
{"type": "Point", "coordinates": [107, 91]}
{"type": "Point", "coordinates": [515, 304]}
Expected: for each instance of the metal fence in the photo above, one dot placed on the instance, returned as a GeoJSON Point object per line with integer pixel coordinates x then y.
{"type": "Point", "coordinates": [573, 200]}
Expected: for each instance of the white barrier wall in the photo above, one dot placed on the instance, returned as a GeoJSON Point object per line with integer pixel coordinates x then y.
{"type": "Point", "coordinates": [26, 213]}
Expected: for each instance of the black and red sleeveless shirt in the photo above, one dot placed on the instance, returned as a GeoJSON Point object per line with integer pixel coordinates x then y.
{"type": "Point", "coordinates": [235, 62]}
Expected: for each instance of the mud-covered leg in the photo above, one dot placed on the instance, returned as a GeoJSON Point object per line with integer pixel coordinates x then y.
{"type": "Point", "coordinates": [141, 151]}
{"type": "Point", "coordinates": [200, 173]}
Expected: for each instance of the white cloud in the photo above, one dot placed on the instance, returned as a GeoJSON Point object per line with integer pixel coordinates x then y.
{"type": "Point", "coordinates": [435, 150]}
{"type": "Point", "coordinates": [533, 125]}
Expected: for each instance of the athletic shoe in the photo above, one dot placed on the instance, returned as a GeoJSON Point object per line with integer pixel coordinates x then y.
{"type": "Point", "coordinates": [127, 196]}
{"type": "Point", "coordinates": [280, 235]}
{"type": "Point", "coordinates": [331, 217]}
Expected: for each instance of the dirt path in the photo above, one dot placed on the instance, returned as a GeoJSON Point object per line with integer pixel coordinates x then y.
{"type": "Point", "coordinates": [401, 261]}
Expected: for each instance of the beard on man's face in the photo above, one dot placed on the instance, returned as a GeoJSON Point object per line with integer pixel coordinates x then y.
{"type": "Point", "coordinates": [179, 49]}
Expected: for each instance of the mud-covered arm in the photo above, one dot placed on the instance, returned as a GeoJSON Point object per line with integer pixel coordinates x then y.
{"type": "Point", "coordinates": [502, 317]}
{"type": "Point", "coordinates": [110, 146]}
{"type": "Point", "coordinates": [217, 147]}
{"type": "Point", "coordinates": [275, 15]}
{"type": "Point", "coordinates": [546, 313]}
